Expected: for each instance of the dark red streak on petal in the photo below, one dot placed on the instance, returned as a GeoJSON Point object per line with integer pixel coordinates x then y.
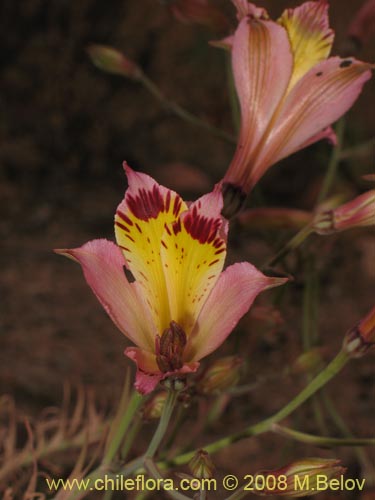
{"type": "Point", "coordinates": [124, 228]}
{"type": "Point", "coordinates": [146, 205]}
{"type": "Point", "coordinates": [124, 217]}
{"type": "Point", "coordinates": [201, 228]}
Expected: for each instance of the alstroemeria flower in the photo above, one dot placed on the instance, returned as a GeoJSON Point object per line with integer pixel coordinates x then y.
{"type": "Point", "coordinates": [180, 306]}
{"type": "Point", "coordinates": [290, 92]}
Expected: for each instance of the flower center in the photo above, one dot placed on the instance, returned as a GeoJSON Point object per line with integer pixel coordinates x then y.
{"type": "Point", "coordinates": [170, 347]}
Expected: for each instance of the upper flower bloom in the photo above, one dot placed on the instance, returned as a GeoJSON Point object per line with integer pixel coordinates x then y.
{"type": "Point", "coordinates": [289, 90]}
{"type": "Point", "coordinates": [181, 306]}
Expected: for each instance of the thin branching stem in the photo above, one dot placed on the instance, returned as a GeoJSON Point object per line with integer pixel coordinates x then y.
{"type": "Point", "coordinates": [182, 113]}
{"type": "Point", "coordinates": [333, 162]}
{"type": "Point", "coordinates": [332, 369]}
{"type": "Point", "coordinates": [303, 437]}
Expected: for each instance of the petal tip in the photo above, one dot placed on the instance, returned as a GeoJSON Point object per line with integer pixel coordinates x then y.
{"type": "Point", "coordinates": [66, 252]}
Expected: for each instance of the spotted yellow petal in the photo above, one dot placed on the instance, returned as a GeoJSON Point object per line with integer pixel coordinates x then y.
{"type": "Point", "coordinates": [309, 34]}
{"type": "Point", "coordinates": [140, 222]}
{"type": "Point", "coordinates": [193, 253]}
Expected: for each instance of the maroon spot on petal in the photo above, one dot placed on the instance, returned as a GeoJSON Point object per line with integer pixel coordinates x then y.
{"type": "Point", "coordinates": [319, 73]}
{"type": "Point", "coordinates": [213, 262]}
{"type": "Point", "coordinates": [176, 206]}
{"type": "Point", "coordinates": [130, 238]}
{"type": "Point", "coordinates": [143, 275]}
{"type": "Point", "coordinates": [164, 245]}
{"type": "Point", "coordinates": [168, 201]}
{"type": "Point", "coordinates": [218, 243]}
{"type": "Point", "coordinates": [146, 205]}
{"type": "Point", "coordinates": [176, 226]}
{"type": "Point", "coordinates": [346, 63]}
{"type": "Point", "coordinates": [137, 226]}
{"type": "Point", "coordinates": [200, 227]}
{"type": "Point", "coordinates": [129, 275]}
{"type": "Point", "coordinates": [124, 228]}
{"type": "Point", "coordinates": [124, 248]}
{"type": "Point", "coordinates": [124, 217]}
{"type": "Point", "coordinates": [167, 229]}
{"type": "Point", "coordinates": [220, 251]}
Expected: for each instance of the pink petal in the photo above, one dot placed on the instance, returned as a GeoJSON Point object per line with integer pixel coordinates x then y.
{"type": "Point", "coordinates": [328, 133]}
{"type": "Point", "coordinates": [148, 374]}
{"type": "Point", "coordinates": [310, 36]}
{"type": "Point", "coordinates": [323, 95]}
{"type": "Point", "coordinates": [103, 267]}
{"type": "Point", "coordinates": [262, 66]}
{"type": "Point", "coordinates": [235, 291]}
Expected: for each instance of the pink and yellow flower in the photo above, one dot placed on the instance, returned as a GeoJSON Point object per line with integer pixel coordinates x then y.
{"type": "Point", "coordinates": [290, 90]}
{"type": "Point", "coordinates": [180, 306]}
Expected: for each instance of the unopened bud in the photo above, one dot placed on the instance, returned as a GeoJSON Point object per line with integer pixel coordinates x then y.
{"type": "Point", "coordinates": [154, 407]}
{"type": "Point", "coordinates": [113, 61]}
{"type": "Point", "coordinates": [220, 375]}
{"type": "Point", "coordinates": [201, 465]}
{"type": "Point", "coordinates": [362, 28]}
{"type": "Point", "coordinates": [170, 348]}
{"type": "Point", "coordinates": [199, 12]}
{"type": "Point", "coordinates": [307, 362]}
{"type": "Point", "coordinates": [300, 478]}
{"type": "Point", "coordinates": [274, 218]}
{"type": "Point", "coordinates": [359, 339]}
{"type": "Point", "coordinates": [356, 213]}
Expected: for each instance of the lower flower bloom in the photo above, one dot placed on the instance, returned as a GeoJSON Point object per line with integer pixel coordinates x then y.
{"type": "Point", "coordinates": [180, 306]}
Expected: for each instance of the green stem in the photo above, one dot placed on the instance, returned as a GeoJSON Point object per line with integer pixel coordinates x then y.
{"type": "Point", "coordinates": [182, 112]}
{"type": "Point", "coordinates": [132, 434]}
{"type": "Point", "coordinates": [334, 367]}
{"type": "Point", "coordinates": [333, 162]}
{"type": "Point", "coordinates": [310, 330]}
{"type": "Point", "coordinates": [163, 423]}
{"type": "Point", "coordinates": [303, 437]}
{"type": "Point", "coordinates": [336, 418]}
{"type": "Point", "coordinates": [123, 426]}
{"type": "Point", "coordinates": [292, 244]}
{"type": "Point", "coordinates": [154, 472]}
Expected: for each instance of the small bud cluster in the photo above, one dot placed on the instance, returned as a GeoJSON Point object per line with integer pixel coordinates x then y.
{"type": "Point", "coordinates": [359, 339]}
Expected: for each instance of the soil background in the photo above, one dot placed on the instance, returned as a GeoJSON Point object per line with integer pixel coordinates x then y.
{"type": "Point", "coordinates": [66, 128]}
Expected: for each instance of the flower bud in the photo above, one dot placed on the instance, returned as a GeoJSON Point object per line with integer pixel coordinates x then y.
{"type": "Point", "coordinates": [361, 337]}
{"type": "Point", "coordinates": [307, 362]}
{"type": "Point", "coordinates": [356, 213]}
{"type": "Point", "coordinates": [362, 28]}
{"type": "Point", "coordinates": [201, 465]}
{"type": "Point", "coordinates": [199, 12]}
{"type": "Point", "coordinates": [220, 375]}
{"type": "Point", "coordinates": [154, 406]}
{"type": "Point", "coordinates": [274, 218]}
{"type": "Point", "coordinates": [170, 347]}
{"type": "Point", "coordinates": [113, 61]}
{"type": "Point", "coordinates": [300, 478]}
